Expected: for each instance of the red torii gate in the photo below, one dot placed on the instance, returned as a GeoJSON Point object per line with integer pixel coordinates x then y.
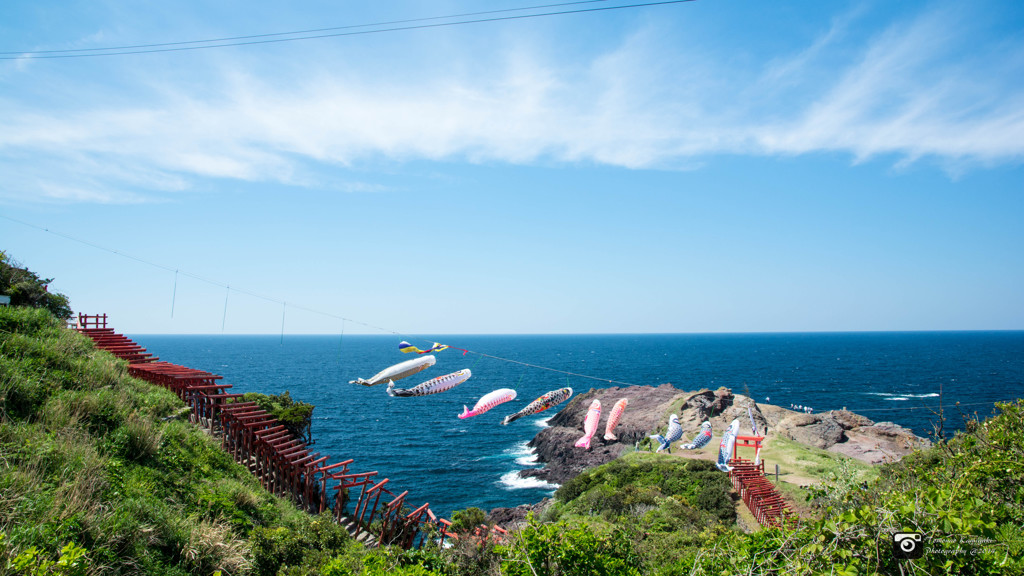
{"type": "Point", "coordinates": [758, 493]}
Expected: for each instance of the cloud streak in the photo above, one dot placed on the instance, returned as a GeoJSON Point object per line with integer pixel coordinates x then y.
{"type": "Point", "coordinates": [909, 92]}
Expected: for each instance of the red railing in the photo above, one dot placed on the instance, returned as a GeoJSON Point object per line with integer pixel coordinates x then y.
{"type": "Point", "coordinates": [280, 460]}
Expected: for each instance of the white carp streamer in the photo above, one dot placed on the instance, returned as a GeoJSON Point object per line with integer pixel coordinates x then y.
{"type": "Point", "coordinates": [398, 371]}
{"type": "Point", "coordinates": [439, 384]}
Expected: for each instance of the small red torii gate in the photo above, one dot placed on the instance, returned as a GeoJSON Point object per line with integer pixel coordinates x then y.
{"type": "Point", "coordinates": [758, 493]}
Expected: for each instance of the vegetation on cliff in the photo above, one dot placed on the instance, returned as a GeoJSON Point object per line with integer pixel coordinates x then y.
{"type": "Point", "coordinates": [296, 416]}
{"type": "Point", "coordinates": [98, 476]}
{"type": "Point", "coordinates": [26, 288]}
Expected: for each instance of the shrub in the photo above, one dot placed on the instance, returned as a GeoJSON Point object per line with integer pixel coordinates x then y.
{"type": "Point", "coordinates": [26, 288]}
{"type": "Point", "coordinates": [468, 519]}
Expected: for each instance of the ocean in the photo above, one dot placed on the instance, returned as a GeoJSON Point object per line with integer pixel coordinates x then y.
{"type": "Point", "coordinates": [421, 445]}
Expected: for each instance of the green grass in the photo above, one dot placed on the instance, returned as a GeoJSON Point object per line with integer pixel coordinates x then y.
{"type": "Point", "coordinates": [88, 461]}
{"type": "Point", "coordinates": [93, 480]}
{"type": "Point", "coordinates": [801, 466]}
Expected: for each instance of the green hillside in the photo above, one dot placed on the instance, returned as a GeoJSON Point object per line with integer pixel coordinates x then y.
{"type": "Point", "coordinates": [98, 475]}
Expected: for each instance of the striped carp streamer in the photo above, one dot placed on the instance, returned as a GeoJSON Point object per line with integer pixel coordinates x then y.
{"type": "Point", "coordinates": [405, 347]}
{"type": "Point", "coordinates": [489, 400]}
{"type": "Point", "coordinates": [590, 424]}
{"type": "Point", "coordinates": [398, 371]}
{"type": "Point", "coordinates": [675, 432]}
{"type": "Point", "coordinates": [613, 419]}
{"type": "Point", "coordinates": [701, 439]}
{"type": "Point", "coordinates": [433, 386]}
{"type": "Point", "coordinates": [549, 399]}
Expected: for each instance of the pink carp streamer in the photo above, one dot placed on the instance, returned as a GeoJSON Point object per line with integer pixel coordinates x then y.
{"type": "Point", "coordinates": [490, 400]}
{"type": "Point", "coordinates": [439, 384]}
{"type": "Point", "coordinates": [590, 424]}
{"type": "Point", "coordinates": [549, 399]}
{"type": "Point", "coordinates": [613, 419]}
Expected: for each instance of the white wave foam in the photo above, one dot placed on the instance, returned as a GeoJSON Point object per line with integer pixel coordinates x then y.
{"type": "Point", "coordinates": [519, 449]}
{"type": "Point", "coordinates": [513, 481]}
{"type": "Point", "coordinates": [528, 460]}
{"type": "Point", "coordinates": [543, 422]}
{"type": "Point", "coordinates": [890, 396]}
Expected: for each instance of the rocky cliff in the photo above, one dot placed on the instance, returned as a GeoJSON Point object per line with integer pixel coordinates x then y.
{"type": "Point", "coordinates": [838, 431]}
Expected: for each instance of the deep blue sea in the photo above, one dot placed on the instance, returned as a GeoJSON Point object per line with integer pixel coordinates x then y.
{"type": "Point", "coordinates": [422, 446]}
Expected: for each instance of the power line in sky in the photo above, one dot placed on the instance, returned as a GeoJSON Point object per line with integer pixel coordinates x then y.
{"type": "Point", "coordinates": [285, 305]}
{"type": "Point", "coordinates": [272, 38]}
{"type": "Point", "coordinates": [252, 36]}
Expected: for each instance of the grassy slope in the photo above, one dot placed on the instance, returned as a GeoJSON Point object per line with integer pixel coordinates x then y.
{"type": "Point", "coordinates": [800, 467]}
{"type": "Point", "coordinates": [92, 474]}
{"type": "Point", "coordinates": [89, 465]}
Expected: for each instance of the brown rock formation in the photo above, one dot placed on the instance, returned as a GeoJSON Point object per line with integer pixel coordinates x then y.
{"type": "Point", "coordinates": [839, 430]}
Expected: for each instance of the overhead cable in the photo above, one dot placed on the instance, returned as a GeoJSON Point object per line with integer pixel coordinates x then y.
{"type": "Point", "coordinates": [177, 47]}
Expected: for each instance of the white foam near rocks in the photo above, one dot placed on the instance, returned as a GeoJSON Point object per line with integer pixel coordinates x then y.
{"type": "Point", "coordinates": [513, 481]}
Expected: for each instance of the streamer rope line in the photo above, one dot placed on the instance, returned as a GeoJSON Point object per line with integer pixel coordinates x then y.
{"type": "Point", "coordinates": [344, 319]}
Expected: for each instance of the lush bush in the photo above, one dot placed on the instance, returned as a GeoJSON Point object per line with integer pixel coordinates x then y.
{"type": "Point", "coordinates": [26, 288]}
{"type": "Point", "coordinates": [568, 550]}
{"type": "Point", "coordinates": [468, 519]}
{"type": "Point", "coordinates": [639, 483]}
{"type": "Point", "coordinates": [296, 416]}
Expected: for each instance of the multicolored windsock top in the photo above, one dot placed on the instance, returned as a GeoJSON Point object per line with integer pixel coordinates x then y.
{"type": "Point", "coordinates": [405, 347]}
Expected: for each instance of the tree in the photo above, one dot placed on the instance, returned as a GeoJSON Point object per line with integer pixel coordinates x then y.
{"type": "Point", "coordinates": [26, 288]}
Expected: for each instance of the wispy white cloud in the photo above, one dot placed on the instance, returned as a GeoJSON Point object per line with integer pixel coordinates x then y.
{"type": "Point", "coordinates": [918, 89]}
{"type": "Point", "coordinates": [908, 91]}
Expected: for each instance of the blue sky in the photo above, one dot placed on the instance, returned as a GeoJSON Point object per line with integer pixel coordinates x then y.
{"type": "Point", "coordinates": [711, 166]}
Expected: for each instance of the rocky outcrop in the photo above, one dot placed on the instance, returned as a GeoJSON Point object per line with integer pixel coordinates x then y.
{"type": "Point", "coordinates": [851, 434]}
{"type": "Point", "coordinates": [515, 518]}
{"type": "Point", "coordinates": [554, 444]}
{"type": "Point", "coordinates": [649, 406]}
{"type": "Point", "coordinates": [646, 414]}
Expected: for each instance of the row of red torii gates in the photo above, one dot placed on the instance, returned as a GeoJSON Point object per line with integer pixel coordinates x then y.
{"type": "Point", "coordinates": [759, 494]}
{"type": "Point", "coordinates": [286, 467]}
{"type": "Point", "coordinates": [282, 462]}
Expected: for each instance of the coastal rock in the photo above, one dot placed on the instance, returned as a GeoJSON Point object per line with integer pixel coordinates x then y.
{"type": "Point", "coordinates": [818, 430]}
{"type": "Point", "coordinates": [515, 518]}
{"type": "Point", "coordinates": [848, 420]}
{"type": "Point", "coordinates": [554, 444]}
{"type": "Point", "coordinates": [851, 434]}
{"type": "Point", "coordinates": [839, 431]}
{"type": "Point", "coordinates": [646, 414]}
